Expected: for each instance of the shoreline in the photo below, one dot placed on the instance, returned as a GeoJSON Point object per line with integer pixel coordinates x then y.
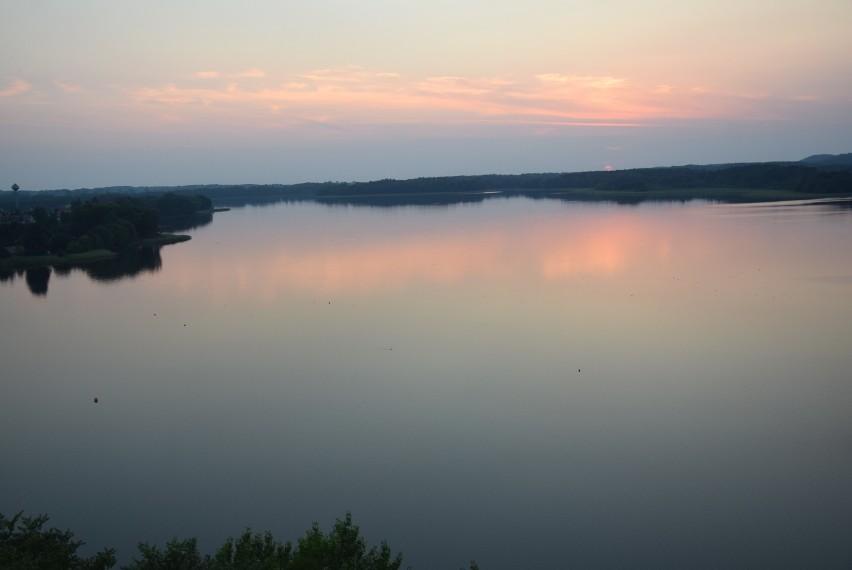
{"type": "Point", "coordinates": [91, 256]}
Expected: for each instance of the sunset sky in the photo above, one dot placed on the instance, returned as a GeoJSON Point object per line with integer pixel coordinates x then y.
{"type": "Point", "coordinates": [98, 93]}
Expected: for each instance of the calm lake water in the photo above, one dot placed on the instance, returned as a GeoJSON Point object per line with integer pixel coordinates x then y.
{"type": "Point", "coordinates": [526, 383]}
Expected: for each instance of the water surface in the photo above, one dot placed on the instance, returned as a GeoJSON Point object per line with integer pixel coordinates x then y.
{"type": "Point", "coordinates": [525, 383]}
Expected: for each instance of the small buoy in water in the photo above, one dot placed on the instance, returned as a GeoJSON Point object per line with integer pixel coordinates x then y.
{"type": "Point", "coordinates": [96, 399]}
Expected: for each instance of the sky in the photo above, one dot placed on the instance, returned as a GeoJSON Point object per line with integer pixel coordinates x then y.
{"type": "Point", "coordinates": [104, 92]}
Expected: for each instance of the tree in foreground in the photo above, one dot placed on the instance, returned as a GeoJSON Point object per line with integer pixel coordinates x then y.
{"type": "Point", "coordinates": [341, 549]}
{"type": "Point", "coordinates": [26, 545]}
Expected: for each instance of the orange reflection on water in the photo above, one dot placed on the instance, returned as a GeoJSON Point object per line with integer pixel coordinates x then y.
{"type": "Point", "coordinates": [604, 248]}
{"type": "Point", "coordinates": [382, 266]}
{"type": "Point", "coordinates": [547, 247]}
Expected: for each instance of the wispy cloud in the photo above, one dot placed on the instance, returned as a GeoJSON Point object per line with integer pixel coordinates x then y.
{"type": "Point", "coordinates": [356, 95]}
{"type": "Point", "coordinates": [69, 87]}
{"type": "Point", "coordinates": [583, 81]}
{"type": "Point", "coordinates": [17, 87]}
{"type": "Point", "coordinates": [357, 98]}
{"type": "Point", "coordinates": [253, 73]}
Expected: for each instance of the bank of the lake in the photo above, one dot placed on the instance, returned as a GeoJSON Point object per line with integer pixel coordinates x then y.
{"type": "Point", "coordinates": [718, 195]}
{"type": "Point", "coordinates": [165, 239]}
{"type": "Point", "coordinates": [91, 256]}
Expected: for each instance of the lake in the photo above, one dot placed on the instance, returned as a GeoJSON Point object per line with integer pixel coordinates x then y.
{"type": "Point", "coordinates": [527, 383]}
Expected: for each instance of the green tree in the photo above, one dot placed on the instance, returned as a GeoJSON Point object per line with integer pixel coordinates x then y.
{"type": "Point", "coordinates": [35, 239]}
{"type": "Point", "coordinates": [178, 555]}
{"type": "Point", "coordinates": [253, 552]}
{"type": "Point", "coordinates": [171, 204]}
{"type": "Point", "coordinates": [59, 242]}
{"type": "Point", "coordinates": [342, 549]}
{"type": "Point", "coordinates": [26, 545]}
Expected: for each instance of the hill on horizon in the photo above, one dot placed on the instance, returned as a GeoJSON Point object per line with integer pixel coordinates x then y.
{"type": "Point", "coordinates": [829, 159]}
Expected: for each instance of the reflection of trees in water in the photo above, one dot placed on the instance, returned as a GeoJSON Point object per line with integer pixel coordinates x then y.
{"type": "Point", "coordinates": [404, 201]}
{"type": "Point", "coordinates": [63, 270]}
{"type": "Point", "coordinates": [37, 279]}
{"type": "Point", "coordinates": [127, 265]}
{"type": "Point", "coordinates": [841, 205]}
{"type": "Point", "coordinates": [130, 264]}
{"type": "Point", "coordinates": [184, 223]}
{"type": "Point", "coordinates": [258, 201]}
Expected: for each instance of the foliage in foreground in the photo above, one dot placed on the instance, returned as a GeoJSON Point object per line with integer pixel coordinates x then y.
{"type": "Point", "coordinates": [342, 548]}
{"type": "Point", "coordinates": [26, 545]}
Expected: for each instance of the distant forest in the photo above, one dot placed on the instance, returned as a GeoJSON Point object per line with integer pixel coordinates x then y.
{"type": "Point", "coordinates": [818, 176]}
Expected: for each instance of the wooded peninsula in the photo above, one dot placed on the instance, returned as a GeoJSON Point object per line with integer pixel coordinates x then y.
{"type": "Point", "coordinates": [99, 228]}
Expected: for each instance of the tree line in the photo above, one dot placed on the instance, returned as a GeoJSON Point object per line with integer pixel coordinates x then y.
{"type": "Point", "coordinates": [757, 176]}
{"type": "Point", "coordinates": [115, 223]}
{"type": "Point", "coordinates": [816, 176]}
{"type": "Point", "coordinates": [25, 544]}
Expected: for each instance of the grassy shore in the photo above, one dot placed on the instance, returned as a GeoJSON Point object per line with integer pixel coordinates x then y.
{"type": "Point", "coordinates": [27, 261]}
{"type": "Point", "coordinates": [164, 239]}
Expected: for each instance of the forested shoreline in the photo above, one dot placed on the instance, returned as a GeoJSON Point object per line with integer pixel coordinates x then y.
{"type": "Point", "coordinates": [819, 176]}
{"type": "Point", "coordinates": [98, 228]}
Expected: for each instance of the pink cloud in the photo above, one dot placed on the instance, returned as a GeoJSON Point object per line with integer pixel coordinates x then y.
{"type": "Point", "coordinates": [357, 98]}
{"type": "Point", "coordinates": [360, 96]}
{"type": "Point", "coordinates": [69, 87]}
{"type": "Point", "coordinates": [18, 86]}
{"type": "Point", "coordinates": [253, 73]}
{"type": "Point", "coordinates": [583, 81]}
